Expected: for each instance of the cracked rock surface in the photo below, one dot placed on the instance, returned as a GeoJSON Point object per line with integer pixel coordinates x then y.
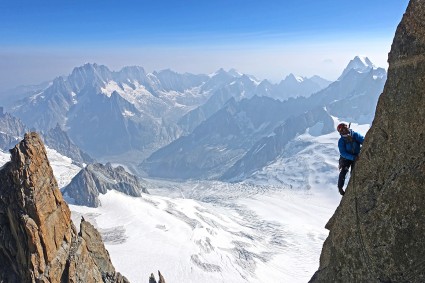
{"type": "Point", "coordinates": [376, 233]}
{"type": "Point", "coordinates": [38, 241]}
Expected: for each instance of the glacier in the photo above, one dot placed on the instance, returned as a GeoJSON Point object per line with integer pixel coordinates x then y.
{"type": "Point", "coordinates": [268, 228]}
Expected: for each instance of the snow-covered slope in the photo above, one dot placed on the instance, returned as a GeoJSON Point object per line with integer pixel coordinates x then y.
{"type": "Point", "coordinates": [63, 167]}
{"type": "Point", "coordinates": [269, 228]}
{"type": "Point", "coordinates": [308, 160]}
{"type": "Point", "coordinates": [232, 233]}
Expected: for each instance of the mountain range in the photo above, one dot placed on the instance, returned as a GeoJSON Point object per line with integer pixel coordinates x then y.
{"type": "Point", "coordinates": [170, 125]}
{"type": "Point", "coordinates": [259, 167]}
{"type": "Point", "coordinates": [246, 135]}
{"type": "Point", "coordinates": [107, 113]}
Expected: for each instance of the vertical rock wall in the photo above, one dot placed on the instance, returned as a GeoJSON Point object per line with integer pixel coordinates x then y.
{"type": "Point", "coordinates": [377, 232]}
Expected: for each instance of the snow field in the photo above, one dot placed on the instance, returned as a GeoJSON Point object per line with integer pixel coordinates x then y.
{"type": "Point", "coordinates": [268, 229]}
{"type": "Point", "coordinates": [63, 168]}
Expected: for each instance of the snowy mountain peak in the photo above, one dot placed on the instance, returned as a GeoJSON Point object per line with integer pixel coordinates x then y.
{"type": "Point", "coordinates": [361, 61]}
{"type": "Point", "coordinates": [133, 70]}
{"type": "Point", "coordinates": [221, 72]}
{"type": "Point", "coordinates": [89, 73]}
{"type": "Point", "coordinates": [360, 64]}
{"type": "Point", "coordinates": [294, 78]}
{"type": "Point", "coordinates": [90, 67]}
{"type": "Point", "coordinates": [235, 73]}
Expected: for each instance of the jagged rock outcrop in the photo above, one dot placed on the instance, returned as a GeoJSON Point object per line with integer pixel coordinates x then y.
{"type": "Point", "coordinates": [160, 278]}
{"type": "Point", "coordinates": [38, 241]}
{"type": "Point", "coordinates": [376, 233]}
{"type": "Point", "coordinates": [97, 179]}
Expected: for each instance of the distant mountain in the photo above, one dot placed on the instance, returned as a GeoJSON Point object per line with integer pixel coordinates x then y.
{"type": "Point", "coordinates": [240, 87]}
{"type": "Point", "coordinates": [221, 140]}
{"type": "Point", "coordinates": [244, 86]}
{"type": "Point", "coordinates": [58, 139]}
{"type": "Point", "coordinates": [9, 97]}
{"type": "Point", "coordinates": [219, 79]}
{"type": "Point", "coordinates": [321, 82]}
{"type": "Point", "coordinates": [360, 64]}
{"type": "Point", "coordinates": [11, 130]}
{"type": "Point", "coordinates": [271, 147]}
{"type": "Point", "coordinates": [108, 113]}
{"type": "Point", "coordinates": [353, 98]}
{"type": "Point", "coordinates": [171, 81]}
{"type": "Point", "coordinates": [230, 144]}
{"type": "Point", "coordinates": [293, 86]}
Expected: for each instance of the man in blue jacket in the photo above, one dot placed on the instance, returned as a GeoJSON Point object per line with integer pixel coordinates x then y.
{"type": "Point", "coordinates": [349, 146]}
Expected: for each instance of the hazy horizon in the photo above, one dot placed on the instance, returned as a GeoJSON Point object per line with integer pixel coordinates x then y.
{"type": "Point", "coordinates": [40, 41]}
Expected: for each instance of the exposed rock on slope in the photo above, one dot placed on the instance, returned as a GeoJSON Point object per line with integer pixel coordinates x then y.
{"type": "Point", "coordinates": [96, 178]}
{"type": "Point", "coordinates": [38, 241]}
{"type": "Point", "coordinates": [160, 278]}
{"type": "Point", "coordinates": [376, 234]}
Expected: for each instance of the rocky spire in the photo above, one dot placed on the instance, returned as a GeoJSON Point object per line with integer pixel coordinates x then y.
{"type": "Point", "coordinates": [38, 241]}
{"type": "Point", "coordinates": [376, 233]}
{"type": "Point", "coordinates": [160, 278]}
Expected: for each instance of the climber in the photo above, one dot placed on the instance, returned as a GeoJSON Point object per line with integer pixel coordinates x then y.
{"type": "Point", "coordinates": [349, 146]}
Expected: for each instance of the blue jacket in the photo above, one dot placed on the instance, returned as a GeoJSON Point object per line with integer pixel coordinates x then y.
{"type": "Point", "coordinates": [350, 149]}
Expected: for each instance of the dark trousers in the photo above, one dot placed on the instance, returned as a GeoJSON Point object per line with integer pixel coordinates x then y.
{"type": "Point", "coordinates": [344, 165]}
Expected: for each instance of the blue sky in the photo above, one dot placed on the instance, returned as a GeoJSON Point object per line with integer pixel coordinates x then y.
{"type": "Point", "coordinates": [270, 39]}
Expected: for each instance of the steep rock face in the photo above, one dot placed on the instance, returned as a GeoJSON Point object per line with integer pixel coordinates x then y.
{"type": "Point", "coordinates": [376, 234]}
{"type": "Point", "coordinates": [39, 242]}
{"type": "Point", "coordinates": [97, 178]}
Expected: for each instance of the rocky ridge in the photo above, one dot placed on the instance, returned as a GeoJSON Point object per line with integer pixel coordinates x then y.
{"type": "Point", "coordinates": [39, 242]}
{"type": "Point", "coordinates": [376, 233]}
{"type": "Point", "coordinates": [97, 179]}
